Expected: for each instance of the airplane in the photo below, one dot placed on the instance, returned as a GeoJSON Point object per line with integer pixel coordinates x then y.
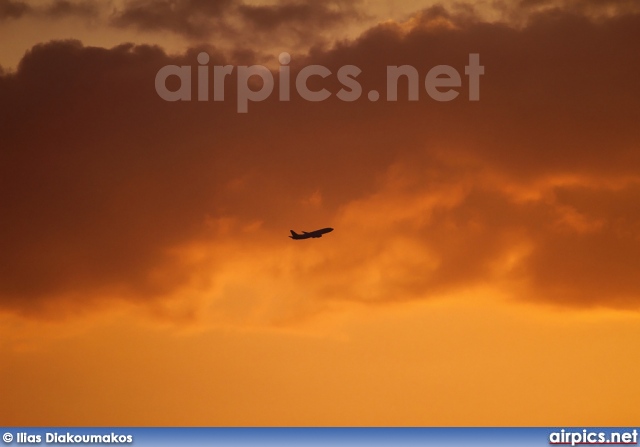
{"type": "Point", "coordinates": [312, 234]}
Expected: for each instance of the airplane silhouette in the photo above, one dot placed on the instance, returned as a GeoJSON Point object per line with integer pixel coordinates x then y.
{"type": "Point", "coordinates": [312, 234]}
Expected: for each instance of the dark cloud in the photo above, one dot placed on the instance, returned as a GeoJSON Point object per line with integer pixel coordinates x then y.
{"type": "Point", "coordinates": [193, 18]}
{"type": "Point", "coordinates": [80, 172]}
{"type": "Point", "coordinates": [297, 14]}
{"type": "Point", "coordinates": [518, 12]}
{"type": "Point", "coordinates": [289, 22]}
{"type": "Point", "coordinates": [10, 9]}
{"type": "Point", "coordinates": [55, 9]}
{"type": "Point", "coordinates": [65, 8]}
{"type": "Point", "coordinates": [594, 243]}
{"type": "Point", "coordinates": [102, 183]}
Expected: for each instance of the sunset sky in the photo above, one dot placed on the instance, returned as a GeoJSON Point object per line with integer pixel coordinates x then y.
{"type": "Point", "coordinates": [485, 263]}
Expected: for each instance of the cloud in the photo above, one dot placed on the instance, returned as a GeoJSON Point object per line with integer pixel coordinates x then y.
{"type": "Point", "coordinates": [10, 9]}
{"type": "Point", "coordinates": [193, 18]}
{"type": "Point", "coordinates": [110, 195]}
{"type": "Point", "coordinates": [64, 8]}
{"type": "Point", "coordinates": [316, 15]}
{"type": "Point", "coordinates": [56, 9]}
{"type": "Point", "coordinates": [524, 10]}
{"type": "Point", "coordinates": [287, 22]}
{"type": "Point", "coordinates": [587, 7]}
{"type": "Point", "coordinates": [596, 245]}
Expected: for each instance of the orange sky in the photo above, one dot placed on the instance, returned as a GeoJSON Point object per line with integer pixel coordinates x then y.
{"type": "Point", "coordinates": [484, 264]}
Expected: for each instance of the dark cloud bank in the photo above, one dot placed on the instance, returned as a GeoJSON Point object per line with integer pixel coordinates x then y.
{"type": "Point", "coordinates": [100, 178]}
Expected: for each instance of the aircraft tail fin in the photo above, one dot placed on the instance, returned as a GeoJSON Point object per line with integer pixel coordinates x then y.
{"type": "Point", "coordinates": [293, 234]}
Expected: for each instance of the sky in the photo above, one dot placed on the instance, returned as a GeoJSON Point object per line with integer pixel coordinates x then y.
{"type": "Point", "coordinates": [484, 265]}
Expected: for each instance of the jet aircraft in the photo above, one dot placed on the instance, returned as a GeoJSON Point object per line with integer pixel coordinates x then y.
{"type": "Point", "coordinates": [312, 234]}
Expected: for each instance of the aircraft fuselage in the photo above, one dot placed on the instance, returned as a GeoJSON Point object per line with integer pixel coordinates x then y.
{"type": "Point", "coordinates": [311, 234]}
